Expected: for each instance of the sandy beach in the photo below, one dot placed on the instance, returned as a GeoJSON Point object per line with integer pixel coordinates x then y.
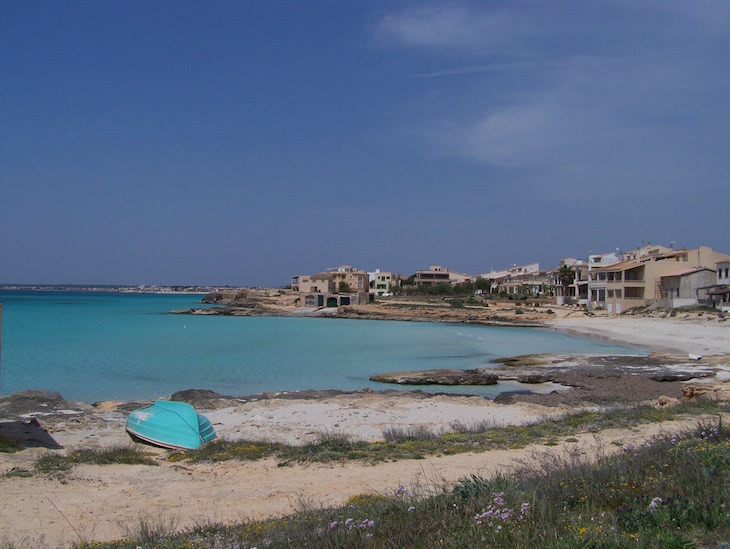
{"type": "Point", "coordinates": [692, 334]}
{"type": "Point", "coordinates": [99, 502]}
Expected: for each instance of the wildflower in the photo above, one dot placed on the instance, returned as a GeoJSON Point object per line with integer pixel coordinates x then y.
{"type": "Point", "coordinates": [655, 502]}
{"type": "Point", "coordinates": [333, 524]}
{"type": "Point", "coordinates": [411, 508]}
{"type": "Point", "coordinates": [348, 523]}
{"type": "Point", "coordinates": [368, 536]}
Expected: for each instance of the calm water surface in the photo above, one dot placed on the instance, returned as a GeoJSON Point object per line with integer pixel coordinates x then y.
{"type": "Point", "coordinates": [109, 346]}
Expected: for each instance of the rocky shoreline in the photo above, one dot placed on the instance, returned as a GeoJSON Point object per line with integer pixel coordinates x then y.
{"type": "Point", "coordinates": [595, 379]}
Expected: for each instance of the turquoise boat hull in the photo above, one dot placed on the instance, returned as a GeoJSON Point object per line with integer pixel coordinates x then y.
{"type": "Point", "coordinates": [170, 424]}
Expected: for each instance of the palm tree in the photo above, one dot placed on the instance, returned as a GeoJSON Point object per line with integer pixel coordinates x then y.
{"type": "Point", "coordinates": [566, 275]}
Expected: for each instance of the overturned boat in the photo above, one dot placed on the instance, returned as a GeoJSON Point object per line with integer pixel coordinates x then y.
{"type": "Point", "coordinates": [170, 424]}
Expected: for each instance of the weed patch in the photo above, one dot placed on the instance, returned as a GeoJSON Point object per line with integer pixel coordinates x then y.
{"type": "Point", "coordinates": [55, 464]}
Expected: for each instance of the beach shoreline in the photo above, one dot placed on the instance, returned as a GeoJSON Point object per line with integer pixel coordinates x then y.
{"type": "Point", "coordinates": [62, 512]}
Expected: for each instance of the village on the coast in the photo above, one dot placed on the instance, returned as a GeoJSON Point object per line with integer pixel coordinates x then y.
{"type": "Point", "coordinates": [616, 281]}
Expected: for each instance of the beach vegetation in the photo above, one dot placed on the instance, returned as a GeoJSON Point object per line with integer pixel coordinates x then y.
{"type": "Point", "coordinates": [58, 464]}
{"type": "Point", "coordinates": [672, 491]}
{"type": "Point", "coordinates": [418, 442]}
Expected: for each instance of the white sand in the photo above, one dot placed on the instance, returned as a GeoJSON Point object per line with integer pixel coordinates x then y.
{"type": "Point", "coordinates": [695, 335]}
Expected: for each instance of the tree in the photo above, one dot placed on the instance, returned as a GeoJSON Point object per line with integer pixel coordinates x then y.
{"type": "Point", "coordinates": [484, 284]}
{"type": "Point", "coordinates": [566, 276]}
{"type": "Point", "coordinates": [344, 287]}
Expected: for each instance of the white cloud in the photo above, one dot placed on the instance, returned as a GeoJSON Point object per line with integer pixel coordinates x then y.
{"type": "Point", "coordinates": [451, 26]}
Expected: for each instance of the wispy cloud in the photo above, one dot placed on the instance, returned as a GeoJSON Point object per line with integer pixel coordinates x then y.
{"type": "Point", "coordinates": [452, 26]}
{"type": "Point", "coordinates": [606, 91]}
{"type": "Point", "coordinates": [476, 69]}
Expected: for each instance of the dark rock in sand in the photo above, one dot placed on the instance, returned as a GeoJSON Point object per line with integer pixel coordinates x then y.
{"type": "Point", "coordinates": [439, 377]}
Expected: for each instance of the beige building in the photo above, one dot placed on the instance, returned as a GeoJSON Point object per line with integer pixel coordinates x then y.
{"type": "Point", "coordinates": [382, 282]}
{"type": "Point", "coordinates": [436, 274]}
{"type": "Point", "coordinates": [637, 279]}
{"type": "Point", "coordinates": [332, 288]}
{"type": "Point", "coordinates": [356, 280]}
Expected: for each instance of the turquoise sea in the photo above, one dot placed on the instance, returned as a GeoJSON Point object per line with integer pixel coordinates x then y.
{"type": "Point", "coordinates": [115, 346]}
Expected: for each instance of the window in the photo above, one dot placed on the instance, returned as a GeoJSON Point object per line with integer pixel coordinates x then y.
{"type": "Point", "coordinates": [618, 294]}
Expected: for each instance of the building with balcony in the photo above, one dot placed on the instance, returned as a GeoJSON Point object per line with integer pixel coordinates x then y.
{"type": "Point", "coordinates": [637, 279]}
{"type": "Point", "coordinates": [576, 293]}
{"type": "Point", "coordinates": [436, 274]}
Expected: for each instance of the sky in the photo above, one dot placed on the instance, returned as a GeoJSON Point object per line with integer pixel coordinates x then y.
{"type": "Point", "coordinates": [242, 143]}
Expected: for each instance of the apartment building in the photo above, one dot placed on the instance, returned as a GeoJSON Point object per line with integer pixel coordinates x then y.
{"type": "Point", "coordinates": [636, 280]}
{"type": "Point", "coordinates": [577, 291]}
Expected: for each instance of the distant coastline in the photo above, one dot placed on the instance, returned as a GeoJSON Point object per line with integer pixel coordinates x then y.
{"type": "Point", "coordinates": [111, 288]}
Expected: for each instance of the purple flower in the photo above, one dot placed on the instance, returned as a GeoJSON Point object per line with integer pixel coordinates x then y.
{"type": "Point", "coordinates": [655, 502]}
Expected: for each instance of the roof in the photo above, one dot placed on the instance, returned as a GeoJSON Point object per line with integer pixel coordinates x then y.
{"type": "Point", "coordinates": [687, 272]}
{"type": "Point", "coordinates": [720, 290]}
{"type": "Point", "coordinates": [622, 266]}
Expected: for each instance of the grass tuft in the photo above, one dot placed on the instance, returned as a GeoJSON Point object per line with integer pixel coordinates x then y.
{"type": "Point", "coordinates": [56, 464]}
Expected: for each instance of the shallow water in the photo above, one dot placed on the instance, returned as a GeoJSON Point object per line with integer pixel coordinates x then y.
{"type": "Point", "coordinates": [111, 346]}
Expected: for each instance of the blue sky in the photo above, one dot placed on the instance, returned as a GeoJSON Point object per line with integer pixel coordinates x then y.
{"type": "Point", "coordinates": [243, 142]}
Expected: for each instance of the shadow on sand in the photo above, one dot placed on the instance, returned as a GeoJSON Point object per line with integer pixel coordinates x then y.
{"type": "Point", "coordinates": [28, 434]}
